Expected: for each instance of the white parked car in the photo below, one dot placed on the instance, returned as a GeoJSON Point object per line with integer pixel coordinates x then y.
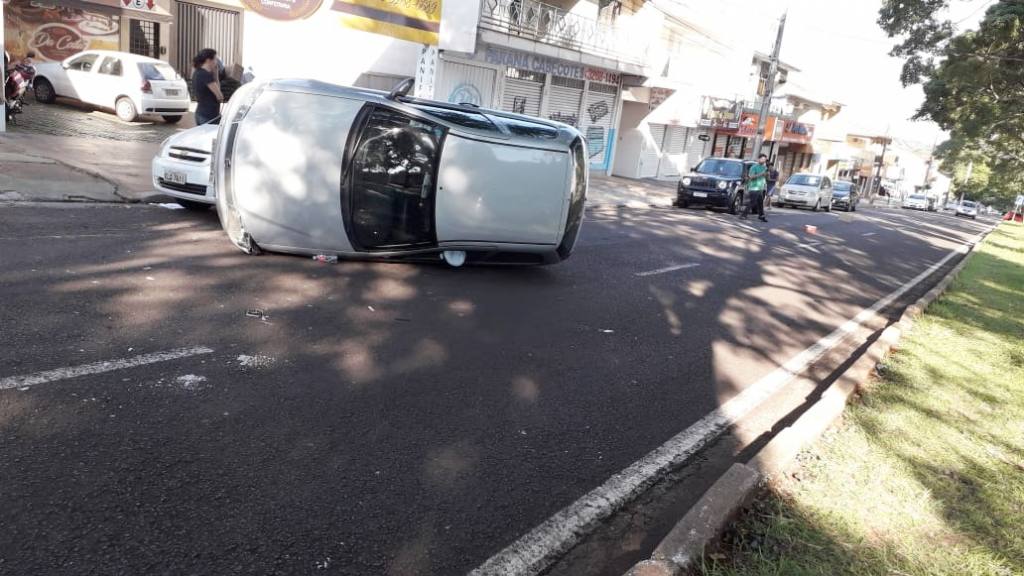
{"type": "Point", "coordinates": [810, 190]}
{"type": "Point", "coordinates": [182, 168]}
{"type": "Point", "coordinates": [916, 202]}
{"type": "Point", "coordinates": [130, 84]}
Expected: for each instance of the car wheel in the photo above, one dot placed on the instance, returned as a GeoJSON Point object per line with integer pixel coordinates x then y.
{"type": "Point", "coordinates": [683, 204]}
{"type": "Point", "coordinates": [817, 205]}
{"type": "Point", "coordinates": [734, 207]}
{"type": "Point", "coordinates": [172, 119]}
{"type": "Point", "coordinates": [191, 205]}
{"type": "Point", "coordinates": [829, 209]}
{"type": "Point", "coordinates": [44, 91]}
{"type": "Point", "coordinates": [125, 109]}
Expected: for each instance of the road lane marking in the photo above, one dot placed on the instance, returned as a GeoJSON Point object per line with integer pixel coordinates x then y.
{"type": "Point", "coordinates": [667, 269]}
{"type": "Point", "coordinates": [869, 233]}
{"type": "Point", "coordinates": [99, 367]}
{"type": "Point", "coordinates": [536, 550]}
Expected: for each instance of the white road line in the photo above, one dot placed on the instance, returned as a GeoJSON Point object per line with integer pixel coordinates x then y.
{"type": "Point", "coordinates": [809, 245]}
{"type": "Point", "coordinates": [99, 367]}
{"type": "Point", "coordinates": [667, 269]}
{"type": "Point", "coordinates": [534, 551]}
{"type": "Point", "coordinates": [869, 233]}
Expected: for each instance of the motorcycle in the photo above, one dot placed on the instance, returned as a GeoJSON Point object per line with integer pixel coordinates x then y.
{"type": "Point", "coordinates": [19, 80]}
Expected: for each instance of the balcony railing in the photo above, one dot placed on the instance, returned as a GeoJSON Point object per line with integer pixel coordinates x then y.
{"type": "Point", "coordinates": [552, 25]}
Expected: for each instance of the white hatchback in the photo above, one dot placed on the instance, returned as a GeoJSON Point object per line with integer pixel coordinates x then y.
{"type": "Point", "coordinates": [182, 168]}
{"type": "Point", "coordinates": [811, 190]}
{"type": "Point", "coordinates": [130, 84]}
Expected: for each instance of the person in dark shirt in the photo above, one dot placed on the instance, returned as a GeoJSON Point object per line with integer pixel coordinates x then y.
{"type": "Point", "coordinates": [206, 87]}
{"type": "Point", "coordinates": [773, 181]}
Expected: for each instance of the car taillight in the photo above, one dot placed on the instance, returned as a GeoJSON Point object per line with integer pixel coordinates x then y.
{"type": "Point", "coordinates": [147, 88]}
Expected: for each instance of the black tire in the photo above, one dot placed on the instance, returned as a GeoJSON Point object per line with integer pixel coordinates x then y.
{"type": "Point", "coordinates": [193, 206]}
{"type": "Point", "coordinates": [172, 119]}
{"type": "Point", "coordinates": [44, 91]}
{"type": "Point", "coordinates": [125, 109]}
{"type": "Point", "coordinates": [736, 201]}
{"type": "Point", "coordinates": [683, 204]}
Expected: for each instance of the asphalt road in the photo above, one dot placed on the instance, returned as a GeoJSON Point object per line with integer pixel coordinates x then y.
{"type": "Point", "coordinates": [378, 418]}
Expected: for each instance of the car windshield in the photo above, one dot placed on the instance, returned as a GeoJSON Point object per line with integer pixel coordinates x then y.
{"type": "Point", "coordinates": [717, 167]}
{"type": "Point", "coordinates": [842, 188]}
{"type": "Point", "coordinates": [917, 197]}
{"type": "Point", "coordinates": [968, 204]}
{"type": "Point", "coordinates": [804, 180]}
{"type": "Point", "coordinates": [151, 71]}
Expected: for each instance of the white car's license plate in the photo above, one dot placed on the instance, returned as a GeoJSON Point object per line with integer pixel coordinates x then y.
{"type": "Point", "coordinates": [172, 92]}
{"type": "Point", "coordinates": [174, 177]}
{"type": "Point", "coordinates": [700, 194]}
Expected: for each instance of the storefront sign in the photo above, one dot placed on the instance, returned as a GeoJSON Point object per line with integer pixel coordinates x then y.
{"type": "Point", "coordinates": [412, 20]}
{"type": "Point", "coordinates": [603, 76]}
{"type": "Point", "coordinates": [659, 95]}
{"type": "Point", "coordinates": [748, 124]}
{"type": "Point", "coordinates": [797, 132]}
{"type": "Point", "coordinates": [143, 5]}
{"type": "Point", "coordinates": [719, 113]}
{"type": "Point", "coordinates": [532, 62]}
{"type": "Point", "coordinates": [56, 33]}
{"type": "Point", "coordinates": [281, 9]}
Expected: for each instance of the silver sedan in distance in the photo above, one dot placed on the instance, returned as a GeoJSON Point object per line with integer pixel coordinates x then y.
{"type": "Point", "coordinates": [305, 167]}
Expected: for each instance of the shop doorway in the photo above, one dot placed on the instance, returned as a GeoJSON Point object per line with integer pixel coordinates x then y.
{"type": "Point", "coordinates": [144, 38]}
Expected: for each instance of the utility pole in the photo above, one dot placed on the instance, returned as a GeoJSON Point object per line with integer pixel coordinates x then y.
{"type": "Point", "coordinates": [878, 173]}
{"type": "Point", "coordinates": [769, 89]}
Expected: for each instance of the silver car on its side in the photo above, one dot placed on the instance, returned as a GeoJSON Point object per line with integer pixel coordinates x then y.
{"type": "Point", "coordinates": [305, 167]}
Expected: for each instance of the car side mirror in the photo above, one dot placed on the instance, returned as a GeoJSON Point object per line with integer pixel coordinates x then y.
{"type": "Point", "coordinates": [65, 65]}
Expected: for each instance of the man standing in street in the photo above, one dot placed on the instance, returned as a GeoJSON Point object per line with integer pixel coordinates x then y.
{"type": "Point", "coordinates": [756, 185]}
{"type": "Point", "coordinates": [773, 181]}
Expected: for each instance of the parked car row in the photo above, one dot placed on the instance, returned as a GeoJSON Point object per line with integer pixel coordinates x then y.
{"type": "Point", "coordinates": [720, 183]}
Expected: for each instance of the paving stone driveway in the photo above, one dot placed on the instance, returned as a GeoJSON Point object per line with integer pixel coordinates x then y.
{"type": "Point", "coordinates": [72, 119]}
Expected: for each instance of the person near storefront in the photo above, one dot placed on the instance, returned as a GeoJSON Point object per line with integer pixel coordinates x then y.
{"type": "Point", "coordinates": [757, 182]}
{"type": "Point", "coordinates": [206, 87]}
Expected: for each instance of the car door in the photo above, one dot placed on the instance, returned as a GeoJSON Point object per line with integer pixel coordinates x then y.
{"type": "Point", "coordinates": [80, 77]}
{"type": "Point", "coordinates": [108, 81]}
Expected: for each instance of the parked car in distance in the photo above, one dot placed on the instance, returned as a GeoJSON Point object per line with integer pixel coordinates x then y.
{"type": "Point", "coordinates": [130, 84]}
{"type": "Point", "coordinates": [306, 167]}
{"type": "Point", "coordinates": [916, 202]}
{"type": "Point", "coordinates": [845, 195]}
{"type": "Point", "coordinates": [968, 209]}
{"type": "Point", "coordinates": [182, 167]}
{"type": "Point", "coordinates": [808, 190]}
{"type": "Point", "coordinates": [715, 182]}
{"type": "Point", "coordinates": [951, 206]}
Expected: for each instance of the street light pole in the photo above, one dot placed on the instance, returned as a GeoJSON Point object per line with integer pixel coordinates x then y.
{"type": "Point", "coordinates": [769, 89]}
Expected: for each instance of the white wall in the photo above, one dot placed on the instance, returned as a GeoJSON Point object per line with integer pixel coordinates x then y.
{"type": "Point", "coordinates": [632, 131]}
{"type": "Point", "coordinates": [321, 48]}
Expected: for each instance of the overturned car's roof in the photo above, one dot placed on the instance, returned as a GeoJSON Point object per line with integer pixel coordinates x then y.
{"type": "Point", "coordinates": [505, 126]}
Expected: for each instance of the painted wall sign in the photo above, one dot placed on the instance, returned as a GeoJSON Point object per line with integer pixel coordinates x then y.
{"type": "Point", "coordinates": [797, 132]}
{"type": "Point", "coordinates": [412, 20]}
{"type": "Point", "coordinates": [603, 76]}
{"type": "Point", "coordinates": [57, 32]}
{"type": "Point", "coordinates": [143, 5]}
{"type": "Point", "coordinates": [283, 9]}
{"type": "Point", "coordinates": [597, 110]}
{"type": "Point", "coordinates": [532, 62]}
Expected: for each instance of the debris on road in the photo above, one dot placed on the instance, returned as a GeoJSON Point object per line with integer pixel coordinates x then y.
{"type": "Point", "coordinates": [326, 258]}
{"type": "Point", "coordinates": [810, 229]}
{"type": "Point", "coordinates": [605, 331]}
{"type": "Point", "coordinates": [256, 313]}
{"type": "Point", "coordinates": [170, 206]}
{"type": "Point", "coordinates": [190, 381]}
{"type": "Point", "coordinates": [256, 361]}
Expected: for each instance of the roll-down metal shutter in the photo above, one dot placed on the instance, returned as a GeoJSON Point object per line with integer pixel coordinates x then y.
{"type": "Point", "coordinates": [523, 91]}
{"type": "Point", "coordinates": [673, 151]}
{"type": "Point", "coordinates": [201, 27]}
{"type": "Point", "coordinates": [651, 156]}
{"type": "Point", "coordinates": [565, 99]}
{"type": "Point", "coordinates": [598, 119]}
{"type": "Point", "coordinates": [696, 149]}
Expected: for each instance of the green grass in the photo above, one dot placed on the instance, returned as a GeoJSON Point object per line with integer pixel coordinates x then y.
{"type": "Point", "coordinates": [925, 475]}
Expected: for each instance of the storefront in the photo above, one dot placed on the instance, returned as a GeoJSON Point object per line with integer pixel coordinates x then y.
{"type": "Point", "coordinates": [536, 85]}
{"type": "Point", "coordinates": [55, 32]}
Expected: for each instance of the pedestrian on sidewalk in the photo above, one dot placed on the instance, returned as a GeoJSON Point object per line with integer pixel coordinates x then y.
{"type": "Point", "coordinates": [773, 181]}
{"type": "Point", "coordinates": [757, 182]}
{"type": "Point", "coordinates": [206, 87]}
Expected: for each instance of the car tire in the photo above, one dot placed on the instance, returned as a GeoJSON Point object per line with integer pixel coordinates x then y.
{"type": "Point", "coordinates": [125, 109]}
{"type": "Point", "coordinates": [829, 209]}
{"type": "Point", "coordinates": [192, 205]}
{"type": "Point", "coordinates": [734, 206]}
{"type": "Point", "coordinates": [44, 91]}
{"type": "Point", "coordinates": [172, 119]}
{"type": "Point", "coordinates": [683, 204]}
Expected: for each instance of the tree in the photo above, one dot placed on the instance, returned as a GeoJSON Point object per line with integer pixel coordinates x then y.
{"type": "Point", "coordinates": [973, 83]}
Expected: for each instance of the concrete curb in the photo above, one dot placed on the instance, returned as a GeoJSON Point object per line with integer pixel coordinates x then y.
{"type": "Point", "coordinates": [705, 522]}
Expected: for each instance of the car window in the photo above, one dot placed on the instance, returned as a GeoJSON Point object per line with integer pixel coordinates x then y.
{"type": "Point", "coordinates": [968, 204]}
{"type": "Point", "coordinates": [842, 187]}
{"type": "Point", "coordinates": [156, 71]}
{"type": "Point", "coordinates": [83, 62]}
{"type": "Point", "coordinates": [526, 128]}
{"type": "Point", "coordinates": [111, 66]}
{"type": "Point", "coordinates": [464, 118]}
{"type": "Point", "coordinates": [804, 180]}
{"type": "Point", "coordinates": [719, 167]}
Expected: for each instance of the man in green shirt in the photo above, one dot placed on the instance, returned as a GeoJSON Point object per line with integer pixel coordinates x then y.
{"type": "Point", "coordinates": [757, 183]}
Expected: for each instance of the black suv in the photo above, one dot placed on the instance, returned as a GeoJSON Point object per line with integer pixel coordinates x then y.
{"type": "Point", "coordinates": [715, 182]}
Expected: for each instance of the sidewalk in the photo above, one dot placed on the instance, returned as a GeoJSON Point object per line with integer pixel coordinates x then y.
{"type": "Point", "coordinates": [925, 476]}
{"type": "Point", "coordinates": [59, 168]}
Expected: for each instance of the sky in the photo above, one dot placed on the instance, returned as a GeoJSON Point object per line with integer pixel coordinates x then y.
{"type": "Point", "coordinates": [843, 55]}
